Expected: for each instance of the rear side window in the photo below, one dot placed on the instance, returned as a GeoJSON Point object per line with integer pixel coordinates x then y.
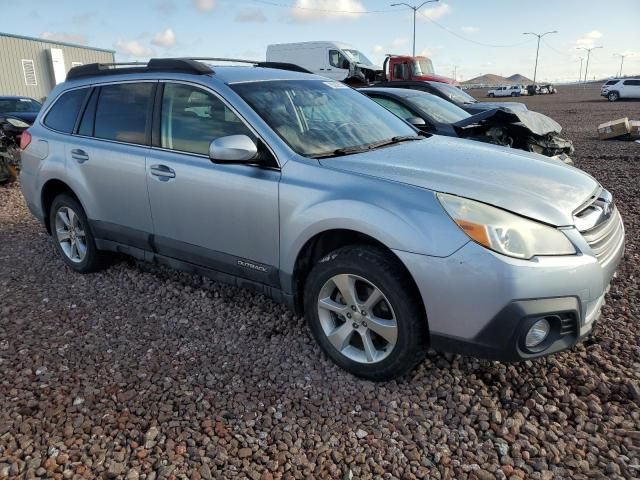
{"type": "Point", "coordinates": [62, 116]}
{"type": "Point", "coordinates": [635, 83]}
{"type": "Point", "coordinates": [121, 112]}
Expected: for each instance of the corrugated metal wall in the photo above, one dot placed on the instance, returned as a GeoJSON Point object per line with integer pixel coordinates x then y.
{"type": "Point", "coordinates": [13, 50]}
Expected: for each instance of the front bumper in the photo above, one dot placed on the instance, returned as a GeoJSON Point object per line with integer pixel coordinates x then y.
{"type": "Point", "coordinates": [481, 303]}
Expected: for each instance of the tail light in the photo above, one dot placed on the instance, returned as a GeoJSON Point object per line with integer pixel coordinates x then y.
{"type": "Point", "coordinates": [25, 139]}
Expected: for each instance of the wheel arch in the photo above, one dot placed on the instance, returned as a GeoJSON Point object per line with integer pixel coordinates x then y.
{"type": "Point", "coordinates": [50, 190]}
{"type": "Point", "coordinates": [323, 243]}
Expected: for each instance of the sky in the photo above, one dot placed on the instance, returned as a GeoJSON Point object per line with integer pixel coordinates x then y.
{"type": "Point", "coordinates": [468, 37]}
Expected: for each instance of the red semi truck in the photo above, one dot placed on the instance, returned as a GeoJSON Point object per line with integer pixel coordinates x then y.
{"type": "Point", "coordinates": [406, 67]}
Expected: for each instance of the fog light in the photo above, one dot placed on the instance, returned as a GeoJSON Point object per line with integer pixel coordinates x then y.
{"type": "Point", "coordinates": [537, 333]}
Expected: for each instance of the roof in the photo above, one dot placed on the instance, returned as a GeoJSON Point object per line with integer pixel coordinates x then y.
{"type": "Point", "coordinates": [15, 97]}
{"type": "Point", "coordinates": [396, 92]}
{"type": "Point", "coordinates": [55, 42]}
{"type": "Point", "coordinates": [232, 74]}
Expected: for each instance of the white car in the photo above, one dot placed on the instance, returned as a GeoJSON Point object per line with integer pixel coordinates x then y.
{"type": "Point", "coordinates": [621, 88]}
{"type": "Point", "coordinates": [509, 91]}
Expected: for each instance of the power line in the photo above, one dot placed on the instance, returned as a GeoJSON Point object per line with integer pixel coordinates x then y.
{"type": "Point", "coordinates": [324, 10]}
{"type": "Point", "coordinates": [364, 12]}
{"type": "Point", "coordinates": [456, 34]}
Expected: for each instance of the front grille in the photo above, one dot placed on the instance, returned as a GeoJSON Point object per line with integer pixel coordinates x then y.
{"type": "Point", "coordinates": [605, 238]}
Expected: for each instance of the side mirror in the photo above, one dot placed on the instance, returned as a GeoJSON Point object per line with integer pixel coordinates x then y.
{"type": "Point", "coordinates": [232, 148]}
{"type": "Point", "coordinates": [416, 121]}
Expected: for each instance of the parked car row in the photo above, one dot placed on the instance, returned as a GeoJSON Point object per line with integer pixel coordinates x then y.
{"type": "Point", "coordinates": [386, 238]}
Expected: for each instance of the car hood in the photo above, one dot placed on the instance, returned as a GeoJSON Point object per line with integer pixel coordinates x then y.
{"type": "Point", "coordinates": [534, 122]}
{"type": "Point", "coordinates": [528, 184]}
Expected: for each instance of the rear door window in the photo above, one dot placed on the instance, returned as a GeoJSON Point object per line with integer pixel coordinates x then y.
{"type": "Point", "coordinates": [634, 83]}
{"type": "Point", "coordinates": [64, 112]}
{"type": "Point", "coordinates": [122, 112]}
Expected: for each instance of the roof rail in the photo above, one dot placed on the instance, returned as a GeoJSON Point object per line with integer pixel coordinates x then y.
{"type": "Point", "coordinates": [277, 65]}
{"type": "Point", "coordinates": [178, 65]}
{"type": "Point", "coordinates": [185, 65]}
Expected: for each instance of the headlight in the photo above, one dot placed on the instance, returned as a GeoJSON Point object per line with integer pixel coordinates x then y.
{"type": "Point", "coordinates": [505, 232]}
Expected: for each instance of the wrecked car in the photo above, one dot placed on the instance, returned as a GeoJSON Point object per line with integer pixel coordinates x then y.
{"type": "Point", "coordinates": [522, 129]}
{"type": "Point", "coordinates": [453, 95]}
{"type": "Point", "coordinates": [11, 129]}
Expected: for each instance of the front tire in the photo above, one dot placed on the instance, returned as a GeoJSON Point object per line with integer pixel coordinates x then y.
{"type": "Point", "coordinates": [491, 95]}
{"type": "Point", "coordinates": [613, 96]}
{"type": "Point", "coordinates": [365, 313]}
{"type": "Point", "coordinates": [72, 236]}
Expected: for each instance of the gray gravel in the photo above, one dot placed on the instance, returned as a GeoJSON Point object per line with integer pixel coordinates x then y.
{"type": "Point", "coordinates": [142, 372]}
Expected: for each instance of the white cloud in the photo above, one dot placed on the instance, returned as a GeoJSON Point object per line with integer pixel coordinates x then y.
{"type": "Point", "coordinates": [65, 37]}
{"type": "Point", "coordinates": [400, 42]}
{"type": "Point", "coordinates": [204, 5]}
{"type": "Point", "coordinates": [588, 39]}
{"type": "Point", "coordinates": [435, 12]}
{"type": "Point", "coordinates": [313, 10]}
{"type": "Point", "coordinates": [164, 39]}
{"type": "Point", "coordinates": [132, 48]}
{"type": "Point", "coordinates": [469, 29]}
{"type": "Point", "coordinates": [378, 49]}
{"type": "Point", "coordinates": [251, 15]}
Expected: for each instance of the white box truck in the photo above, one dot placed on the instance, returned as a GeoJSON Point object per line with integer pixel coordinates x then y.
{"type": "Point", "coordinates": [335, 60]}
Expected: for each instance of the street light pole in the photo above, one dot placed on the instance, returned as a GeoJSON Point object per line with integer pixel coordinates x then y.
{"type": "Point", "coordinates": [539, 35]}
{"type": "Point", "coordinates": [586, 68]}
{"type": "Point", "coordinates": [415, 9]}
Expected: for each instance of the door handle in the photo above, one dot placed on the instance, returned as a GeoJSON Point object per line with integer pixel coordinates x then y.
{"type": "Point", "coordinates": [163, 172]}
{"type": "Point", "coordinates": [79, 155]}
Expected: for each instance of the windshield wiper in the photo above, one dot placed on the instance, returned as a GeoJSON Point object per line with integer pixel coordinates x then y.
{"type": "Point", "coordinates": [365, 148]}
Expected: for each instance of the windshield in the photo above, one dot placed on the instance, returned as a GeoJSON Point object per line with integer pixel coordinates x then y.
{"type": "Point", "coordinates": [19, 105]}
{"type": "Point", "coordinates": [319, 117]}
{"type": "Point", "coordinates": [455, 94]}
{"type": "Point", "coordinates": [357, 56]}
{"type": "Point", "coordinates": [423, 66]}
{"type": "Point", "coordinates": [438, 109]}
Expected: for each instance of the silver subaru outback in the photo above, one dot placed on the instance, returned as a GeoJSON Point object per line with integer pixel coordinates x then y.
{"type": "Point", "coordinates": [307, 191]}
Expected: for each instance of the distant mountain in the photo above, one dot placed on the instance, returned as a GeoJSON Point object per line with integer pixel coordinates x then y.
{"type": "Point", "coordinates": [491, 80]}
{"type": "Point", "coordinates": [520, 79]}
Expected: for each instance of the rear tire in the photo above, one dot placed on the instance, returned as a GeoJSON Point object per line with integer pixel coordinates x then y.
{"type": "Point", "coordinates": [377, 339]}
{"type": "Point", "coordinates": [72, 235]}
{"type": "Point", "coordinates": [613, 96]}
{"type": "Point", "coordinates": [491, 95]}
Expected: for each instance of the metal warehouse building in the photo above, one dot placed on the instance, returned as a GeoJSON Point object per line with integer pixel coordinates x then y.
{"type": "Point", "coordinates": [31, 67]}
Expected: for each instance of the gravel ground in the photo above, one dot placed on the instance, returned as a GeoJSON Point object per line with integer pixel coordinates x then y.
{"type": "Point", "coordinates": [142, 372]}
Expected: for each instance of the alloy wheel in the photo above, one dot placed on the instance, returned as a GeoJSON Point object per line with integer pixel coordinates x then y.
{"type": "Point", "coordinates": [70, 234]}
{"type": "Point", "coordinates": [357, 318]}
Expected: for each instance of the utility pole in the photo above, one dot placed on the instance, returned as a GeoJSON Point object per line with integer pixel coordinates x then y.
{"type": "Point", "coordinates": [621, 55]}
{"type": "Point", "coordinates": [586, 68]}
{"type": "Point", "coordinates": [539, 35]}
{"type": "Point", "coordinates": [455, 72]}
{"type": "Point", "coordinates": [415, 9]}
